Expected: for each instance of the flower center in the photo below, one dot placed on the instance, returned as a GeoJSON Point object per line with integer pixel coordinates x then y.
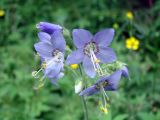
{"type": "Point", "coordinates": [55, 52]}
{"type": "Point", "coordinates": [58, 56]}
{"type": "Point", "coordinates": [91, 49]}
{"type": "Point", "coordinates": [103, 84]}
{"type": "Point", "coordinates": [91, 46]}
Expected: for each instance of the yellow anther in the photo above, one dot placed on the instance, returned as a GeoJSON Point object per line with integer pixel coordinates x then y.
{"type": "Point", "coordinates": [129, 15]}
{"type": "Point", "coordinates": [97, 70]}
{"type": "Point", "coordinates": [97, 61]}
{"type": "Point", "coordinates": [44, 65]}
{"type": "Point", "coordinates": [74, 66]}
{"type": "Point", "coordinates": [2, 13]}
{"type": "Point", "coordinates": [104, 110]}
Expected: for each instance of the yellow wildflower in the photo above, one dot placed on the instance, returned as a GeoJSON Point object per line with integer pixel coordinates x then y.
{"type": "Point", "coordinates": [74, 66]}
{"type": "Point", "coordinates": [129, 15]}
{"type": "Point", "coordinates": [132, 43]}
{"type": "Point", "coordinates": [2, 13]}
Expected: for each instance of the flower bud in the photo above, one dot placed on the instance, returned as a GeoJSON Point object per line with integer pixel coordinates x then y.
{"type": "Point", "coordinates": [2, 13]}
{"type": "Point", "coordinates": [129, 15]}
{"type": "Point", "coordinates": [78, 87]}
{"type": "Point", "coordinates": [66, 32]}
{"type": "Point", "coordinates": [104, 110]}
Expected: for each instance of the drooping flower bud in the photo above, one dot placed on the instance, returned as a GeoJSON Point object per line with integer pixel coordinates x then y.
{"type": "Point", "coordinates": [48, 27]}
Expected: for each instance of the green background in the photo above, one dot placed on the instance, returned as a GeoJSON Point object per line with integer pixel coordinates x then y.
{"type": "Point", "coordinates": [136, 99]}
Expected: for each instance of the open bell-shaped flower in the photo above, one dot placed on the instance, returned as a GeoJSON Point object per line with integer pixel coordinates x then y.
{"type": "Point", "coordinates": [106, 83]}
{"type": "Point", "coordinates": [51, 49]}
{"type": "Point", "coordinates": [92, 50]}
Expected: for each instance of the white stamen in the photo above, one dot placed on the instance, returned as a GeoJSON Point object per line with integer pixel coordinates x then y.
{"type": "Point", "coordinates": [35, 73]}
{"type": "Point", "coordinates": [41, 84]}
{"type": "Point", "coordinates": [105, 96]}
{"type": "Point", "coordinates": [58, 58]}
{"type": "Point", "coordinates": [92, 59]}
{"type": "Point", "coordinates": [96, 64]}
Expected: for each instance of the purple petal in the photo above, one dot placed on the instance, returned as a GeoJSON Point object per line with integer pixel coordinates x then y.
{"type": "Point", "coordinates": [102, 79]}
{"type": "Point", "coordinates": [44, 37]}
{"type": "Point", "coordinates": [88, 67]}
{"type": "Point", "coordinates": [75, 57]}
{"type": "Point", "coordinates": [110, 88]}
{"type": "Point", "coordinates": [89, 91]}
{"type": "Point", "coordinates": [60, 75]}
{"type": "Point", "coordinates": [48, 27]}
{"type": "Point", "coordinates": [53, 69]}
{"type": "Point", "coordinates": [104, 37]}
{"type": "Point", "coordinates": [42, 60]}
{"type": "Point", "coordinates": [81, 37]}
{"type": "Point", "coordinates": [44, 49]}
{"type": "Point", "coordinates": [125, 71]}
{"type": "Point", "coordinates": [113, 80]}
{"type": "Point", "coordinates": [55, 79]}
{"type": "Point", "coordinates": [106, 55]}
{"type": "Point", "coordinates": [58, 41]}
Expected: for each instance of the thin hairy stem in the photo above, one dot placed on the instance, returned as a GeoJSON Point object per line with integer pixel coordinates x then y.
{"type": "Point", "coordinates": [85, 108]}
{"type": "Point", "coordinates": [83, 98]}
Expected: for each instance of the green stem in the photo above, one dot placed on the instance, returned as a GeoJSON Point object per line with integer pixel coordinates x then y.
{"type": "Point", "coordinates": [119, 32]}
{"type": "Point", "coordinates": [85, 108]}
{"type": "Point", "coordinates": [130, 27]}
{"type": "Point", "coordinates": [83, 99]}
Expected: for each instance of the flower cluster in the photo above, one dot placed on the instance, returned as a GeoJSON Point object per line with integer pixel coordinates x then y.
{"type": "Point", "coordinates": [51, 49]}
{"type": "Point", "coordinates": [93, 53]}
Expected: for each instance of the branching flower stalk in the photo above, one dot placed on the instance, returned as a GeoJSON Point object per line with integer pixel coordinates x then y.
{"type": "Point", "coordinates": [83, 97]}
{"type": "Point", "coordinates": [85, 107]}
{"type": "Point", "coordinates": [92, 53]}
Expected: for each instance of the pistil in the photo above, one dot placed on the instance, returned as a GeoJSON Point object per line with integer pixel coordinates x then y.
{"type": "Point", "coordinates": [105, 98]}
{"type": "Point", "coordinates": [95, 62]}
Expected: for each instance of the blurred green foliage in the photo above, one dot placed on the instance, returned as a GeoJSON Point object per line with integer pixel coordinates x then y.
{"type": "Point", "coordinates": [137, 99]}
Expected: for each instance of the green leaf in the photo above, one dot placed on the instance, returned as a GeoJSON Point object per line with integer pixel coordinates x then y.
{"type": "Point", "coordinates": [121, 117]}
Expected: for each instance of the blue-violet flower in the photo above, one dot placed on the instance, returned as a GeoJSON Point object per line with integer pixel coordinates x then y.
{"type": "Point", "coordinates": [51, 49]}
{"type": "Point", "coordinates": [48, 27]}
{"type": "Point", "coordinates": [91, 50]}
{"type": "Point", "coordinates": [106, 83]}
